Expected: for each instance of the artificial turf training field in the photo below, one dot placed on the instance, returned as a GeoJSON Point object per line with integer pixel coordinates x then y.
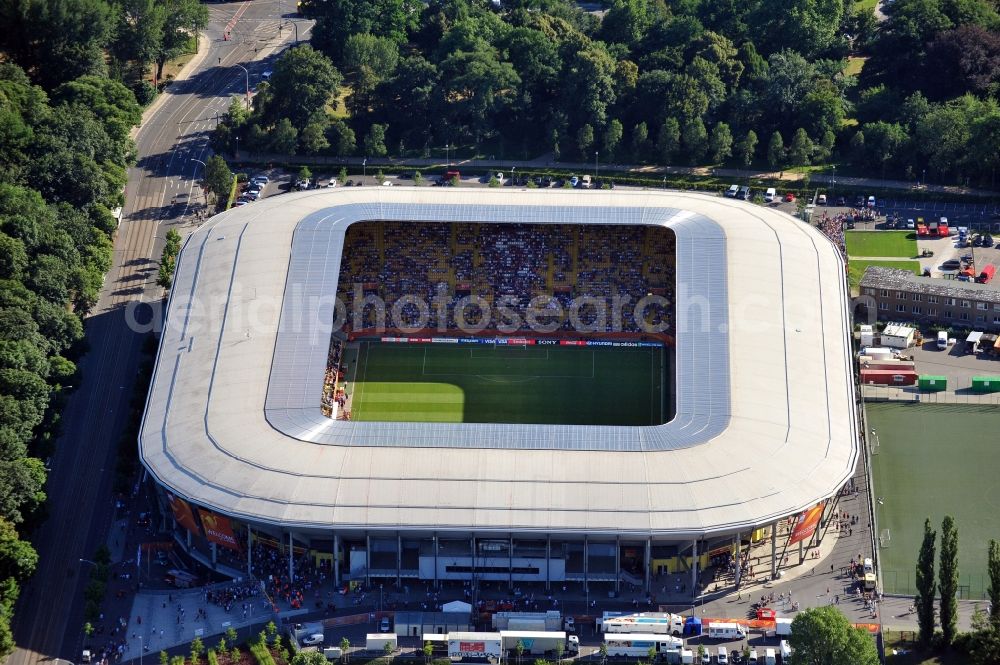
{"type": "Point", "coordinates": [510, 384]}
{"type": "Point", "coordinates": [934, 460]}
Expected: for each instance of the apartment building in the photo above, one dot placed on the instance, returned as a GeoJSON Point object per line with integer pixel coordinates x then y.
{"type": "Point", "coordinates": [902, 296]}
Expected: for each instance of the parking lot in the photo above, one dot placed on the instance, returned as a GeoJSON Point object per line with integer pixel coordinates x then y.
{"type": "Point", "coordinates": [280, 182]}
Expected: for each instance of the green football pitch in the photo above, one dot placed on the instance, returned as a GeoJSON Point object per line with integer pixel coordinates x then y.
{"type": "Point", "coordinates": [934, 460]}
{"type": "Point", "coordinates": [509, 384]}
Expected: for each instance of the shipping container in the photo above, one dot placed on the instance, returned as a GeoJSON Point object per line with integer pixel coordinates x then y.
{"type": "Point", "coordinates": [986, 384]}
{"type": "Point", "coordinates": [888, 377]}
{"type": "Point", "coordinates": [932, 383]}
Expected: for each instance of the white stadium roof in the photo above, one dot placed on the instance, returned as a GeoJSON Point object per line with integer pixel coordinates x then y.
{"type": "Point", "coordinates": [765, 420]}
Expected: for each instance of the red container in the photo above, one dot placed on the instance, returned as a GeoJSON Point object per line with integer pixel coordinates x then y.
{"type": "Point", "coordinates": [889, 377]}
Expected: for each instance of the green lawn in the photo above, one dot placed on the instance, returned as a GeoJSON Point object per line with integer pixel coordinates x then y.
{"type": "Point", "coordinates": [881, 243]}
{"type": "Point", "coordinates": [856, 268]}
{"type": "Point", "coordinates": [855, 64]}
{"type": "Point", "coordinates": [935, 460]}
{"type": "Point", "coordinates": [519, 384]}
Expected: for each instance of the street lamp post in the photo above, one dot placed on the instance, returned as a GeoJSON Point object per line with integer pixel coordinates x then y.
{"type": "Point", "coordinates": [447, 153]}
{"type": "Point", "coordinates": [512, 169]}
{"type": "Point", "coordinates": [140, 650]}
{"type": "Point", "coordinates": [247, 72]}
{"type": "Point", "coordinates": [236, 155]}
{"type": "Point", "coordinates": [364, 168]}
{"type": "Point", "coordinates": [833, 184]}
{"type": "Point", "coordinates": [597, 167]}
{"type": "Point", "coordinates": [204, 166]}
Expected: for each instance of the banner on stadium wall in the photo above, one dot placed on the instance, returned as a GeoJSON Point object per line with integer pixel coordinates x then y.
{"type": "Point", "coordinates": [218, 529]}
{"type": "Point", "coordinates": [522, 341]}
{"type": "Point", "coordinates": [805, 525]}
{"type": "Point", "coordinates": [182, 513]}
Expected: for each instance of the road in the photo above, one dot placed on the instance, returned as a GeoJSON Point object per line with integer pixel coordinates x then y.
{"type": "Point", "coordinates": [49, 614]}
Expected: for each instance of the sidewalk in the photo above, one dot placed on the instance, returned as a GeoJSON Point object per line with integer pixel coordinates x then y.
{"type": "Point", "coordinates": [873, 393]}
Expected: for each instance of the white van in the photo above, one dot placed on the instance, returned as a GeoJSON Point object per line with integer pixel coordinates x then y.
{"type": "Point", "coordinates": [769, 657]}
{"type": "Point", "coordinates": [869, 568]}
{"type": "Point", "coordinates": [786, 652]}
{"type": "Point", "coordinates": [753, 657]}
{"type": "Point", "coordinates": [723, 656]}
{"type": "Point", "coordinates": [770, 194]}
{"type": "Point", "coordinates": [726, 631]}
{"type": "Point", "coordinates": [942, 340]}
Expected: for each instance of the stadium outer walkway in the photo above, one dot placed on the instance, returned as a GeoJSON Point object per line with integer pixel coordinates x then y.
{"type": "Point", "coordinates": [636, 170]}
{"type": "Point", "coordinates": [912, 394]}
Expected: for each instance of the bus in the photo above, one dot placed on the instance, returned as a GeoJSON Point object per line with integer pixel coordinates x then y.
{"type": "Point", "coordinates": [660, 623]}
{"type": "Point", "coordinates": [638, 644]}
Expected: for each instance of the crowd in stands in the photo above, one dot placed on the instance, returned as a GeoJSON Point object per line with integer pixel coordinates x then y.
{"type": "Point", "coordinates": [332, 392]}
{"type": "Point", "coordinates": [509, 265]}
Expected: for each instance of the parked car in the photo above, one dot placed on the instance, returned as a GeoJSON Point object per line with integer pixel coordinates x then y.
{"type": "Point", "coordinates": [871, 201]}
{"type": "Point", "coordinates": [841, 201]}
{"type": "Point", "coordinates": [951, 264]}
{"type": "Point", "coordinates": [790, 198]}
{"type": "Point", "coordinates": [261, 180]}
{"type": "Point", "coordinates": [384, 626]}
{"type": "Point", "coordinates": [732, 191]}
{"type": "Point", "coordinates": [312, 640]}
{"type": "Point", "coordinates": [769, 194]}
{"type": "Point", "coordinates": [744, 193]}
{"type": "Point", "coordinates": [301, 184]}
{"type": "Point", "coordinates": [821, 199]}
{"type": "Point", "coordinates": [574, 181]}
{"type": "Point", "coordinates": [332, 183]}
{"type": "Point", "coordinates": [987, 240]}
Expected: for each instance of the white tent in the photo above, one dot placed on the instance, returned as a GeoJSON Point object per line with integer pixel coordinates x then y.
{"type": "Point", "coordinates": [456, 606]}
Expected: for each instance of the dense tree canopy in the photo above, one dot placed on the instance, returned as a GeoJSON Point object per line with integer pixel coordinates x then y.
{"type": "Point", "coordinates": [62, 167]}
{"type": "Point", "coordinates": [823, 636]}
{"type": "Point", "coordinates": [530, 75]}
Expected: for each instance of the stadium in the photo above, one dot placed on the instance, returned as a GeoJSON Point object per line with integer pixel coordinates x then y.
{"type": "Point", "coordinates": [511, 386]}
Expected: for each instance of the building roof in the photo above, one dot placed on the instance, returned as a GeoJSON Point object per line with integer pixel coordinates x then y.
{"type": "Point", "coordinates": [897, 279]}
{"type": "Point", "coordinates": [897, 330]}
{"type": "Point", "coordinates": [765, 421]}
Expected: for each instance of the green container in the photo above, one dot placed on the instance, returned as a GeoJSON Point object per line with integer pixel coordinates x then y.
{"type": "Point", "coordinates": [932, 383]}
{"type": "Point", "coordinates": [986, 384]}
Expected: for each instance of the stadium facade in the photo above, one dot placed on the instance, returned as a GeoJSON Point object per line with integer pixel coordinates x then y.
{"type": "Point", "coordinates": [765, 423]}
